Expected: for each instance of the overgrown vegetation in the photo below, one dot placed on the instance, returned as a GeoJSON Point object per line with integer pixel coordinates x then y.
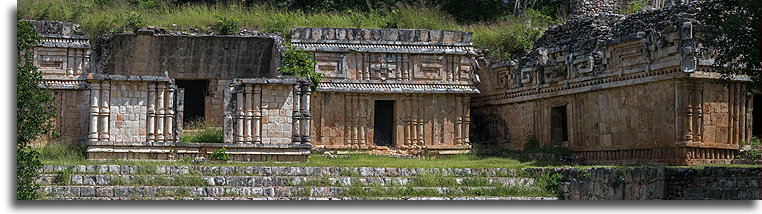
{"type": "Point", "coordinates": [225, 25]}
{"type": "Point", "coordinates": [633, 7]}
{"type": "Point", "coordinates": [733, 30]}
{"type": "Point", "coordinates": [201, 132]}
{"type": "Point", "coordinates": [755, 151]}
{"type": "Point", "coordinates": [221, 154]}
{"type": "Point", "coordinates": [299, 63]}
{"type": "Point", "coordinates": [33, 112]}
{"type": "Point", "coordinates": [504, 35]}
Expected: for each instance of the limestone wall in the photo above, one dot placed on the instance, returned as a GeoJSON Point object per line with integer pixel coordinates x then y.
{"type": "Point", "coordinates": [709, 183]}
{"type": "Point", "coordinates": [189, 56]}
{"type": "Point", "coordinates": [267, 111]}
{"type": "Point", "coordinates": [132, 109]}
{"type": "Point", "coordinates": [635, 89]}
{"type": "Point", "coordinates": [421, 121]}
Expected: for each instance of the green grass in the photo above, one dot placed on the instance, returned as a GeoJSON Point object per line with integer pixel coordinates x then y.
{"type": "Point", "coordinates": [421, 192]}
{"type": "Point", "coordinates": [207, 135]}
{"type": "Point", "coordinates": [502, 37]}
{"type": "Point", "coordinates": [354, 160]}
{"type": "Point", "coordinates": [202, 132]}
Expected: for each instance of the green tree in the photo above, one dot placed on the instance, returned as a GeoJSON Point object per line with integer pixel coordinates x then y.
{"type": "Point", "coordinates": [299, 63]}
{"type": "Point", "coordinates": [734, 33]}
{"type": "Point", "coordinates": [33, 112]}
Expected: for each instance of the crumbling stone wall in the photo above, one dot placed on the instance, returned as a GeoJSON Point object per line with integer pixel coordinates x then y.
{"type": "Point", "coordinates": [636, 89]}
{"type": "Point", "coordinates": [658, 183]}
{"type": "Point", "coordinates": [215, 58]}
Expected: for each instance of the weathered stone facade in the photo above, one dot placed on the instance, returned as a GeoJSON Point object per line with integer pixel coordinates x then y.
{"type": "Point", "coordinates": [127, 105]}
{"type": "Point", "coordinates": [618, 90]}
{"type": "Point", "coordinates": [63, 57]}
{"type": "Point", "coordinates": [402, 89]}
{"type": "Point", "coordinates": [193, 58]}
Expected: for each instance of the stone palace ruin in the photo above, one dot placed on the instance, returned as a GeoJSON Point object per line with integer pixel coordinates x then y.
{"type": "Point", "coordinates": [613, 89]}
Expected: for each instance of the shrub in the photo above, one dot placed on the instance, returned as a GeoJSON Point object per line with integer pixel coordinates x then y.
{"type": "Point", "coordinates": [221, 154]}
{"type": "Point", "coordinates": [225, 25]}
{"type": "Point", "coordinates": [133, 21]}
{"type": "Point", "coordinates": [633, 7]}
{"type": "Point", "coordinates": [299, 63]}
{"type": "Point", "coordinates": [34, 110]}
{"type": "Point", "coordinates": [755, 153]}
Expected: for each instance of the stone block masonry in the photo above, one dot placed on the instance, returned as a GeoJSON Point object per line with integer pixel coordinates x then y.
{"type": "Point", "coordinates": [658, 183]}
{"type": "Point", "coordinates": [618, 90]}
{"type": "Point", "coordinates": [400, 89]}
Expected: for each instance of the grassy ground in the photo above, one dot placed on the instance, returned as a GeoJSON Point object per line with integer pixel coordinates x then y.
{"type": "Point", "coordinates": [68, 155]}
{"type": "Point", "coordinates": [508, 35]}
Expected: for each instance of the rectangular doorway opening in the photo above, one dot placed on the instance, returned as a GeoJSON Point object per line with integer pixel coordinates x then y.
{"type": "Point", "coordinates": [558, 125]}
{"type": "Point", "coordinates": [195, 99]}
{"type": "Point", "coordinates": [756, 111]}
{"type": "Point", "coordinates": [383, 123]}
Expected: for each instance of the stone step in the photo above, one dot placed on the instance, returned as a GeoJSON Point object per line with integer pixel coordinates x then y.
{"type": "Point", "coordinates": [235, 181]}
{"type": "Point", "coordinates": [473, 198]}
{"type": "Point", "coordinates": [281, 171]}
{"type": "Point", "coordinates": [184, 191]}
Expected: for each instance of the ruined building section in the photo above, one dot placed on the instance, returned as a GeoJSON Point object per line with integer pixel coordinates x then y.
{"type": "Point", "coordinates": [131, 101]}
{"type": "Point", "coordinates": [63, 58]}
{"type": "Point", "coordinates": [204, 65]}
{"type": "Point", "coordinates": [618, 90]}
{"type": "Point", "coordinates": [400, 89]}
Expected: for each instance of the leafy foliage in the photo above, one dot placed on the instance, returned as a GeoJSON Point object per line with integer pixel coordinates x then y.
{"type": "Point", "coordinates": [133, 21]}
{"type": "Point", "coordinates": [633, 7]}
{"type": "Point", "coordinates": [33, 112]}
{"type": "Point", "coordinates": [755, 153]}
{"type": "Point", "coordinates": [299, 63]}
{"type": "Point", "coordinates": [734, 33]}
{"type": "Point", "coordinates": [225, 25]}
{"type": "Point", "coordinates": [221, 154]}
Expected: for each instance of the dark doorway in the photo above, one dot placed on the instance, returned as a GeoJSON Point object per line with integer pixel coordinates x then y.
{"type": "Point", "coordinates": [383, 124]}
{"type": "Point", "coordinates": [558, 126]}
{"type": "Point", "coordinates": [756, 122]}
{"type": "Point", "coordinates": [195, 94]}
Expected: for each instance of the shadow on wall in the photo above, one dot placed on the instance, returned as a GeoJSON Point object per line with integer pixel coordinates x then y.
{"type": "Point", "coordinates": [488, 131]}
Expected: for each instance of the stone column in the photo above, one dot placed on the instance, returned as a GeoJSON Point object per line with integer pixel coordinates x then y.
{"type": "Point", "coordinates": [170, 114]}
{"type": "Point", "coordinates": [151, 130]}
{"type": "Point", "coordinates": [68, 64]}
{"type": "Point", "coordinates": [161, 112]}
{"type": "Point", "coordinates": [104, 112]}
{"type": "Point", "coordinates": [257, 114]}
{"type": "Point", "coordinates": [458, 119]}
{"type": "Point", "coordinates": [688, 111]}
{"type": "Point", "coordinates": [296, 115]}
{"type": "Point", "coordinates": [406, 123]}
{"type": "Point", "coordinates": [467, 121]}
{"type": "Point", "coordinates": [421, 115]}
{"type": "Point", "coordinates": [95, 91]}
{"type": "Point", "coordinates": [247, 115]}
{"type": "Point", "coordinates": [239, 115]}
{"type": "Point", "coordinates": [305, 119]}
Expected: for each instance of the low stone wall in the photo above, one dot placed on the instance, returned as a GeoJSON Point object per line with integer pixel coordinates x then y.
{"type": "Point", "coordinates": [177, 151]}
{"type": "Point", "coordinates": [658, 183]}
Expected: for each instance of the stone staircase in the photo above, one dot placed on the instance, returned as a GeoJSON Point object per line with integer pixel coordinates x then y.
{"type": "Point", "coordinates": [195, 182]}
